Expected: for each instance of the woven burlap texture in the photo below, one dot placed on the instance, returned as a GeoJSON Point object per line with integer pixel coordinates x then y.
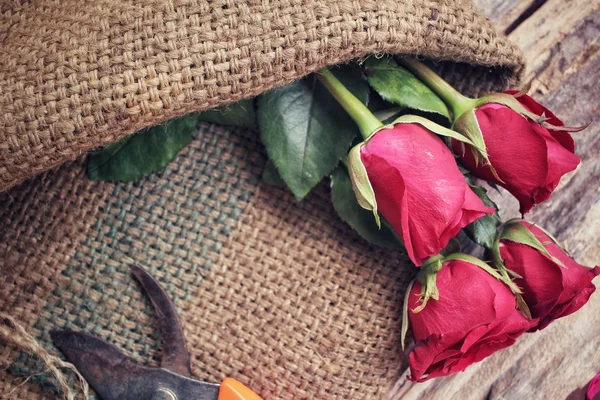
{"type": "Point", "coordinates": [280, 295]}
{"type": "Point", "coordinates": [76, 75]}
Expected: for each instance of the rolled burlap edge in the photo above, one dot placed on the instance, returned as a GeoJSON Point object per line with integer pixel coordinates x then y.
{"type": "Point", "coordinates": [78, 75]}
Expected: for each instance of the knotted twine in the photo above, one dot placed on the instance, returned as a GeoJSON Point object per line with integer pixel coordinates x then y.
{"type": "Point", "coordinates": [11, 332]}
{"type": "Point", "coordinates": [280, 295]}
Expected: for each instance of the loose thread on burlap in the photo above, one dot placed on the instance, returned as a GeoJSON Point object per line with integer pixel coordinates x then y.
{"type": "Point", "coordinates": [11, 332]}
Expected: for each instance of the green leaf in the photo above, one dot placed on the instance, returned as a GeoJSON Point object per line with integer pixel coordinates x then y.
{"type": "Point", "coordinates": [305, 130]}
{"type": "Point", "coordinates": [389, 115]}
{"type": "Point", "coordinates": [271, 176]}
{"type": "Point", "coordinates": [397, 85]}
{"type": "Point", "coordinates": [359, 219]}
{"type": "Point", "coordinates": [376, 103]}
{"type": "Point", "coordinates": [142, 153]}
{"type": "Point", "coordinates": [351, 75]}
{"type": "Point", "coordinates": [484, 230]}
{"type": "Point", "coordinates": [242, 114]}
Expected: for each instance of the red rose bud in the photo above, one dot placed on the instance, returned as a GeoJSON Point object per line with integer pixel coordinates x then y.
{"type": "Point", "coordinates": [474, 316]}
{"type": "Point", "coordinates": [408, 173]}
{"type": "Point", "coordinates": [593, 390]}
{"type": "Point", "coordinates": [416, 185]}
{"type": "Point", "coordinates": [528, 157]}
{"type": "Point", "coordinates": [520, 145]}
{"type": "Point", "coordinates": [553, 284]}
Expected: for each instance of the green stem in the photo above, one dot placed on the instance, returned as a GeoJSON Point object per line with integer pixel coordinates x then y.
{"type": "Point", "coordinates": [452, 97]}
{"type": "Point", "coordinates": [433, 264]}
{"type": "Point", "coordinates": [364, 118]}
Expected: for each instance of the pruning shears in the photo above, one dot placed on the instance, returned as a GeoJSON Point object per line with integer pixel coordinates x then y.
{"type": "Point", "coordinates": [114, 375]}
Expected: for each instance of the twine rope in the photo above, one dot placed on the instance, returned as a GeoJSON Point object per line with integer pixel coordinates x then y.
{"type": "Point", "coordinates": [11, 332]}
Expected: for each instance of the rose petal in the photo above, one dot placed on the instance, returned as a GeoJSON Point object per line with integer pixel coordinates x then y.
{"type": "Point", "coordinates": [550, 290]}
{"type": "Point", "coordinates": [418, 188]}
{"type": "Point", "coordinates": [593, 389]}
{"type": "Point", "coordinates": [475, 316]}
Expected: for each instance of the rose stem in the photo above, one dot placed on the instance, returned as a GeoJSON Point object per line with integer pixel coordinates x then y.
{"type": "Point", "coordinates": [457, 102]}
{"type": "Point", "coordinates": [364, 118]}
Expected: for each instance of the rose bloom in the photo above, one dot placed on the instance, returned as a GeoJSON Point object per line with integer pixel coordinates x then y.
{"type": "Point", "coordinates": [475, 316]}
{"type": "Point", "coordinates": [530, 159]}
{"type": "Point", "coordinates": [593, 390]}
{"type": "Point", "coordinates": [419, 189]}
{"type": "Point", "coordinates": [550, 290]}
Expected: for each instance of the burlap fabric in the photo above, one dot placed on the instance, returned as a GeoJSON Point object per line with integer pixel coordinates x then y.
{"type": "Point", "coordinates": [278, 294]}
{"type": "Point", "coordinates": [79, 74]}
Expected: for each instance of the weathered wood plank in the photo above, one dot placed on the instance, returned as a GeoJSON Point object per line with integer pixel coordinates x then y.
{"type": "Point", "coordinates": [565, 59]}
{"type": "Point", "coordinates": [541, 36]}
{"type": "Point", "coordinates": [503, 13]}
{"type": "Point", "coordinates": [553, 363]}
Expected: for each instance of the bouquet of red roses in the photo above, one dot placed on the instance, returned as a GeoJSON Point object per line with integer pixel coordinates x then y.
{"type": "Point", "coordinates": [405, 152]}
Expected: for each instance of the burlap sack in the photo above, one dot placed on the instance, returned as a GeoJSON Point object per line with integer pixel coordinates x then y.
{"type": "Point", "coordinates": [79, 74]}
{"type": "Point", "coordinates": [278, 294]}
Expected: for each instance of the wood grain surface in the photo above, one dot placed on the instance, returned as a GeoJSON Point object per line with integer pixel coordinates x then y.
{"type": "Point", "coordinates": [561, 41]}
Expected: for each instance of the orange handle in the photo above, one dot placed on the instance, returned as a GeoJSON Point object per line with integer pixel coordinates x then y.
{"type": "Point", "coordinates": [234, 390]}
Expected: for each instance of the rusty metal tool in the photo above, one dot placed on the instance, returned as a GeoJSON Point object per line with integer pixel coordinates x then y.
{"type": "Point", "coordinates": [113, 375]}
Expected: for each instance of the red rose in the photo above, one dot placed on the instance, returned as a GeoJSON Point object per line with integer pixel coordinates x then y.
{"type": "Point", "coordinates": [550, 290]}
{"type": "Point", "coordinates": [593, 390]}
{"type": "Point", "coordinates": [529, 157]}
{"type": "Point", "coordinates": [418, 188]}
{"type": "Point", "coordinates": [475, 316]}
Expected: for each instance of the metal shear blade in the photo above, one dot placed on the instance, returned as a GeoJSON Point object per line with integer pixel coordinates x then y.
{"type": "Point", "coordinates": [113, 375]}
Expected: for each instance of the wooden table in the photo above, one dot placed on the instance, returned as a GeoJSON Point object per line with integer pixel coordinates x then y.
{"type": "Point", "coordinates": [561, 42]}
